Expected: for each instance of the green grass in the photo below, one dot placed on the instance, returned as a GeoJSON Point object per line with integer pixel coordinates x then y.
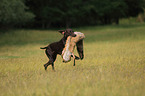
{"type": "Point", "coordinates": [114, 63]}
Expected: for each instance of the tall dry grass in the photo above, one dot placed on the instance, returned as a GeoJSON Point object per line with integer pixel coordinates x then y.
{"type": "Point", "coordinates": [114, 63]}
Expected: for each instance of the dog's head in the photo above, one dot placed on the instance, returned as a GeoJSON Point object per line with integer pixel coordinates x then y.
{"type": "Point", "coordinates": [67, 32]}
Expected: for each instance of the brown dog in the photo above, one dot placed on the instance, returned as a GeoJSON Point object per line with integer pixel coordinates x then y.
{"type": "Point", "coordinates": [57, 47]}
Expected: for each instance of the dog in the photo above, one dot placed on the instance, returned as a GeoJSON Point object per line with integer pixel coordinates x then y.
{"type": "Point", "coordinates": [56, 48]}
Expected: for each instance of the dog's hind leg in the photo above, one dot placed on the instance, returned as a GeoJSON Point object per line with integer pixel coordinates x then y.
{"type": "Point", "coordinates": [46, 65]}
{"type": "Point", "coordinates": [51, 57]}
{"type": "Point", "coordinates": [53, 66]}
{"type": "Point", "coordinates": [50, 62]}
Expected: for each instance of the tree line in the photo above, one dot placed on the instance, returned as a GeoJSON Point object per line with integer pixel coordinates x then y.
{"type": "Point", "coordinates": [66, 13]}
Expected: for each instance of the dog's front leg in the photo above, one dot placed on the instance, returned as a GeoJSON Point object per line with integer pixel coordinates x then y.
{"type": "Point", "coordinates": [74, 58]}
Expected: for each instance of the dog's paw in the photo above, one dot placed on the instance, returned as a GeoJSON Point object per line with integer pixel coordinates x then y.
{"type": "Point", "coordinates": [77, 58]}
{"type": "Point", "coordinates": [45, 67]}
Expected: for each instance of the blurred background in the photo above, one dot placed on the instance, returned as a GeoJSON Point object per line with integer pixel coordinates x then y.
{"type": "Point", "coordinates": [114, 47]}
{"type": "Point", "coordinates": [69, 13]}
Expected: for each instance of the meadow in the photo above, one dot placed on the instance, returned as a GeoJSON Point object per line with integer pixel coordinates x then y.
{"type": "Point", "coordinates": [114, 63]}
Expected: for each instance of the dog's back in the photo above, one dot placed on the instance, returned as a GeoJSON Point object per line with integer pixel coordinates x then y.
{"type": "Point", "coordinates": [57, 47]}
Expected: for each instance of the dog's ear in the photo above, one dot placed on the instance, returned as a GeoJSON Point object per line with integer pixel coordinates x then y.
{"type": "Point", "coordinates": [61, 31]}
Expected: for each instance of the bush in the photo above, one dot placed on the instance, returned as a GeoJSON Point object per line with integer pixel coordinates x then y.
{"type": "Point", "coordinates": [13, 13]}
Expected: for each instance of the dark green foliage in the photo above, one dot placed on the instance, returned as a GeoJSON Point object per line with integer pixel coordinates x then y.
{"type": "Point", "coordinates": [67, 13]}
{"type": "Point", "coordinates": [13, 13]}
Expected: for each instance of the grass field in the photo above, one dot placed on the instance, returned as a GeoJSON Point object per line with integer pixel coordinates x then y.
{"type": "Point", "coordinates": [114, 63]}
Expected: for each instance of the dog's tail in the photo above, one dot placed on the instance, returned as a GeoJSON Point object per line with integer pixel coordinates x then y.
{"type": "Point", "coordinates": [43, 47]}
